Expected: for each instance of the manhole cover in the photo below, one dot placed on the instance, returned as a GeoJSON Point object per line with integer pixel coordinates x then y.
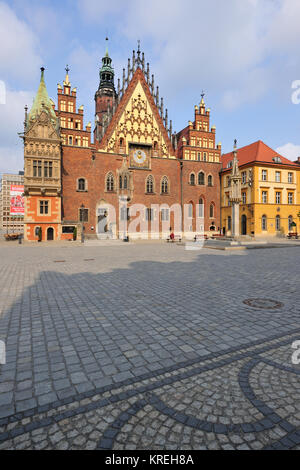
{"type": "Point", "coordinates": [267, 304]}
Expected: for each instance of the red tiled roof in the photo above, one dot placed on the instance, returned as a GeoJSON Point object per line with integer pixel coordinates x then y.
{"type": "Point", "coordinates": [256, 152]}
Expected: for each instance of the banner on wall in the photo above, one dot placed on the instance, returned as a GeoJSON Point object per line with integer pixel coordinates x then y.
{"type": "Point", "coordinates": [16, 199]}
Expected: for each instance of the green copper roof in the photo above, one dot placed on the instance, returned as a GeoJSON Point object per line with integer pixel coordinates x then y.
{"type": "Point", "coordinates": [42, 103]}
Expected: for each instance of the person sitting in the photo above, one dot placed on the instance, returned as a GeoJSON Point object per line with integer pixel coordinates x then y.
{"type": "Point", "coordinates": [172, 237]}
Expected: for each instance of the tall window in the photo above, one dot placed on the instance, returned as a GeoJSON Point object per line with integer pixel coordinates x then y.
{"type": "Point", "coordinates": [290, 178]}
{"type": "Point", "coordinates": [199, 157]}
{"type": "Point", "coordinates": [290, 198]}
{"type": "Point", "coordinates": [83, 215]}
{"type": "Point", "coordinates": [264, 175]}
{"type": "Point", "coordinates": [70, 140]}
{"type": "Point", "coordinates": [264, 196]}
{"type": "Point", "coordinates": [62, 105]}
{"type": "Point", "coordinates": [277, 223]}
{"type": "Point", "coordinates": [190, 211]}
{"type": "Point", "coordinates": [192, 179]}
{"type": "Point", "coordinates": [244, 177]}
{"type": "Point", "coordinates": [164, 185]}
{"type": "Point", "coordinates": [70, 107]}
{"type": "Point", "coordinates": [204, 154]}
{"type": "Point", "coordinates": [210, 180]}
{"type": "Point", "coordinates": [201, 178]}
{"type": "Point", "coordinates": [110, 182]}
{"type": "Point", "coordinates": [44, 207]}
{"type": "Point", "coordinates": [149, 214]}
{"type": "Point", "coordinates": [201, 207]}
{"type": "Point", "coordinates": [264, 222]}
{"type": "Point", "coordinates": [211, 211]}
{"type": "Point", "coordinates": [150, 184]}
{"type": "Point", "coordinates": [244, 198]}
{"type": "Point", "coordinates": [229, 223]}
{"type": "Point", "coordinates": [125, 182]}
{"type": "Point", "coordinates": [81, 184]}
{"type": "Point", "coordinates": [278, 197]}
{"type": "Point", "coordinates": [165, 215]}
{"type": "Point", "coordinates": [37, 168]}
{"type": "Point", "coordinates": [277, 176]}
{"type": "Point", "coordinates": [47, 169]}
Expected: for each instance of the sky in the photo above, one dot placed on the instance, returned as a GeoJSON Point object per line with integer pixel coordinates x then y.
{"type": "Point", "coordinates": [243, 54]}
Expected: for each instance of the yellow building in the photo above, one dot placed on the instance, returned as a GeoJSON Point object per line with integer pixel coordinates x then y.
{"type": "Point", "coordinates": [270, 189]}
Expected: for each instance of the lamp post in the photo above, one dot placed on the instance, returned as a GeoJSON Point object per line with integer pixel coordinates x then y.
{"type": "Point", "coordinates": [82, 223]}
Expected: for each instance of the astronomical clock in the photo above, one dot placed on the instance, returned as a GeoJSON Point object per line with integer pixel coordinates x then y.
{"type": "Point", "coordinates": [140, 156]}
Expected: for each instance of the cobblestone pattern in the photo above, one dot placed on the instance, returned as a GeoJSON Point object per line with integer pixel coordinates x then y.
{"type": "Point", "coordinates": [148, 354]}
{"type": "Point", "coordinates": [219, 403]}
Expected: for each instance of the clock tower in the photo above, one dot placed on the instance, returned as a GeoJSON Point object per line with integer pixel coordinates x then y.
{"type": "Point", "coordinates": [105, 97]}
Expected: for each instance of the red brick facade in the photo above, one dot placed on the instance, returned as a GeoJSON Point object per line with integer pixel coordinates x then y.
{"type": "Point", "coordinates": [95, 174]}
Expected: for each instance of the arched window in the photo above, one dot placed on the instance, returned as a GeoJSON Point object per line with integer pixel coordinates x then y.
{"type": "Point", "coordinates": [264, 222]}
{"type": "Point", "coordinates": [211, 211]}
{"type": "Point", "coordinates": [201, 179]}
{"type": "Point", "coordinates": [190, 210]}
{"type": "Point", "coordinates": [164, 185]}
{"type": "Point", "coordinates": [278, 223]}
{"type": "Point", "coordinates": [210, 180]}
{"type": "Point", "coordinates": [81, 184]}
{"type": "Point", "coordinates": [150, 184]}
{"type": "Point", "coordinates": [121, 142]}
{"type": "Point", "coordinates": [290, 220]}
{"type": "Point", "coordinates": [201, 207]}
{"type": "Point", "coordinates": [110, 182]}
{"type": "Point", "coordinates": [192, 179]}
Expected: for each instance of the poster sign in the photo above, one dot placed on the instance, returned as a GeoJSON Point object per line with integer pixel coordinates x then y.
{"type": "Point", "coordinates": [16, 199]}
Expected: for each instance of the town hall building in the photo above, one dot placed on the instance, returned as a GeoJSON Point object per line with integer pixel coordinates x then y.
{"type": "Point", "coordinates": [78, 178]}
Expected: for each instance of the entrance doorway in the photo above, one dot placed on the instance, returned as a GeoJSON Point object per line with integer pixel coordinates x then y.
{"type": "Point", "coordinates": [102, 226]}
{"type": "Point", "coordinates": [50, 234]}
{"type": "Point", "coordinates": [244, 225]}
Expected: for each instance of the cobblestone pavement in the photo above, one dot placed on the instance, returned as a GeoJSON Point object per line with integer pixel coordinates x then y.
{"type": "Point", "coordinates": [148, 346]}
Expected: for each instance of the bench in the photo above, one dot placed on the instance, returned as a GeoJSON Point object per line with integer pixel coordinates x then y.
{"type": "Point", "coordinates": [177, 238]}
{"type": "Point", "coordinates": [293, 235]}
{"type": "Point", "coordinates": [12, 236]}
{"type": "Point", "coordinates": [200, 237]}
{"type": "Point", "coordinates": [218, 235]}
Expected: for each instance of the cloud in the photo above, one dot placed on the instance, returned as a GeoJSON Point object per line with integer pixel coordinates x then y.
{"type": "Point", "coordinates": [290, 151]}
{"type": "Point", "coordinates": [11, 122]}
{"type": "Point", "coordinates": [239, 49]}
{"type": "Point", "coordinates": [19, 55]}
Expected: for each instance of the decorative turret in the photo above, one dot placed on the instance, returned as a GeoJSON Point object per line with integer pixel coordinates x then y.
{"type": "Point", "coordinates": [105, 97]}
{"type": "Point", "coordinates": [41, 103]}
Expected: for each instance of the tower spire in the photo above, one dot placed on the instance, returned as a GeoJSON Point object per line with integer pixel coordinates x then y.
{"type": "Point", "coordinates": [67, 81]}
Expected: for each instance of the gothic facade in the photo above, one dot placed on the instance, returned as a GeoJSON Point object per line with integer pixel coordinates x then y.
{"type": "Point", "coordinates": [75, 178]}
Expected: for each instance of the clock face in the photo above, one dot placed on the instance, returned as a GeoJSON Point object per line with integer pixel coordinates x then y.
{"type": "Point", "coordinates": [139, 156]}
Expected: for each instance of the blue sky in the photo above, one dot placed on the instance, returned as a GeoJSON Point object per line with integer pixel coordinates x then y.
{"type": "Point", "coordinates": [244, 54]}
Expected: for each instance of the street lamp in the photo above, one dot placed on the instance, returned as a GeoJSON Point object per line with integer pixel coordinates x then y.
{"type": "Point", "coordinates": [82, 223]}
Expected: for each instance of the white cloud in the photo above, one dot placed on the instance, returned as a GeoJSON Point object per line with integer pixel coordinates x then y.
{"type": "Point", "coordinates": [19, 57]}
{"type": "Point", "coordinates": [11, 122]}
{"type": "Point", "coordinates": [290, 151]}
{"type": "Point", "coordinates": [241, 49]}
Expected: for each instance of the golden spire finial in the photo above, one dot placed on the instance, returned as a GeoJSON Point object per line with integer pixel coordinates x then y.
{"type": "Point", "coordinates": [67, 81]}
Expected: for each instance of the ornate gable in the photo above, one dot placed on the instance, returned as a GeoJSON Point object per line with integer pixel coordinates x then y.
{"type": "Point", "coordinates": [137, 121]}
